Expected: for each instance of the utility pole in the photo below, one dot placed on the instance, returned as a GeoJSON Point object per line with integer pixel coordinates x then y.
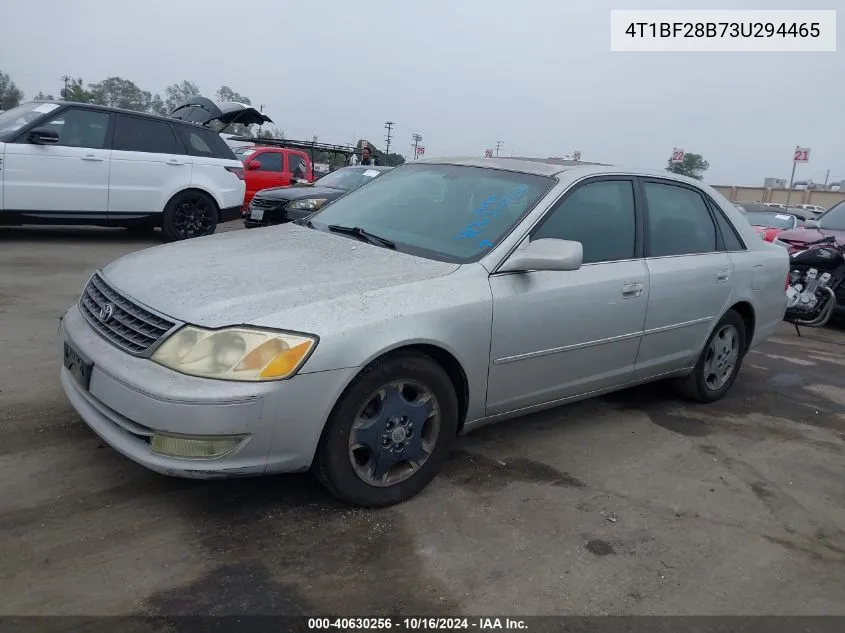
{"type": "Point", "coordinates": [66, 79]}
{"type": "Point", "coordinates": [791, 180]}
{"type": "Point", "coordinates": [826, 176]}
{"type": "Point", "coordinates": [416, 138]}
{"type": "Point", "coordinates": [498, 146]}
{"type": "Point", "coordinates": [389, 127]}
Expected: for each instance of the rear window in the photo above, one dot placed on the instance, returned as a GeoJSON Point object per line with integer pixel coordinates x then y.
{"type": "Point", "coordinates": [204, 143]}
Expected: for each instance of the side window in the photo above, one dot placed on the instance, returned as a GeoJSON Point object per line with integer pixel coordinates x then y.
{"type": "Point", "coordinates": [729, 234]}
{"type": "Point", "coordinates": [270, 161]}
{"type": "Point", "coordinates": [678, 221]}
{"type": "Point", "coordinates": [134, 134]}
{"type": "Point", "coordinates": [601, 216]}
{"type": "Point", "coordinates": [296, 165]}
{"type": "Point", "coordinates": [81, 128]}
{"type": "Point", "coordinates": [204, 143]}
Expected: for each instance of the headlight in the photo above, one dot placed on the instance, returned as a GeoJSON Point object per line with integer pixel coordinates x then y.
{"type": "Point", "coordinates": [235, 353]}
{"type": "Point", "coordinates": [306, 204]}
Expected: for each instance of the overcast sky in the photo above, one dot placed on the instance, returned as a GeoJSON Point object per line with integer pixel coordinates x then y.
{"type": "Point", "coordinates": [535, 74]}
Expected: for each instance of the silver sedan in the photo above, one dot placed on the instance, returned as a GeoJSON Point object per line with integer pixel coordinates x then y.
{"type": "Point", "coordinates": [445, 295]}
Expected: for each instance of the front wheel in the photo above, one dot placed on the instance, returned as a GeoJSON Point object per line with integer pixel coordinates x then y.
{"type": "Point", "coordinates": [719, 363]}
{"type": "Point", "coordinates": [390, 432]}
{"type": "Point", "coordinates": [189, 214]}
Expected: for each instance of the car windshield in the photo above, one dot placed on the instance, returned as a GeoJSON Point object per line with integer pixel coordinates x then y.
{"type": "Point", "coordinates": [771, 220]}
{"type": "Point", "coordinates": [349, 178]}
{"type": "Point", "coordinates": [833, 218]}
{"type": "Point", "coordinates": [13, 120]}
{"type": "Point", "coordinates": [446, 212]}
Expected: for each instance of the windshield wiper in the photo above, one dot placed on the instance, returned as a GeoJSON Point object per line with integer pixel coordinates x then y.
{"type": "Point", "coordinates": [357, 231]}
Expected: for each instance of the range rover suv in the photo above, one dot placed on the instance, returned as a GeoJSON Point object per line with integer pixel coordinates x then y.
{"type": "Point", "coordinates": [74, 163]}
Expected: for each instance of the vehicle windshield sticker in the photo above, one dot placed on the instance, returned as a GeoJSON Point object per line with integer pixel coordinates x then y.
{"type": "Point", "coordinates": [488, 210]}
{"type": "Point", "coordinates": [45, 108]}
{"type": "Point", "coordinates": [371, 173]}
{"type": "Point", "coordinates": [783, 217]}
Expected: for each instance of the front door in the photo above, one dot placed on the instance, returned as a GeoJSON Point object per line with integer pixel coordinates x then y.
{"type": "Point", "coordinates": [265, 172]}
{"type": "Point", "coordinates": [690, 275]}
{"type": "Point", "coordinates": [560, 334]}
{"type": "Point", "coordinates": [70, 177]}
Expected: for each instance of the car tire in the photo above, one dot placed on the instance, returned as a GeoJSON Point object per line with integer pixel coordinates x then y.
{"type": "Point", "coordinates": [189, 214]}
{"type": "Point", "coordinates": [723, 352]}
{"type": "Point", "coordinates": [407, 391]}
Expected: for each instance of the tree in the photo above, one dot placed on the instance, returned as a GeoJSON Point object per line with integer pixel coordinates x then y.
{"type": "Point", "coordinates": [42, 97]}
{"type": "Point", "coordinates": [10, 95]}
{"type": "Point", "coordinates": [388, 160]}
{"type": "Point", "coordinates": [177, 94]}
{"type": "Point", "coordinates": [76, 91]}
{"type": "Point", "coordinates": [157, 105]}
{"type": "Point", "coordinates": [693, 166]}
{"type": "Point", "coordinates": [271, 133]}
{"type": "Point", "coordinates": [225, 93]}
{"type": "Point", "coordinates": [120, 93]}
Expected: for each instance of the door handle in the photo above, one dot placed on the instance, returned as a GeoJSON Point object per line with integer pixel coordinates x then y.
{"type": "Point", "coordinates": [629, 291]}
{"type": "Point", "coordinates": [173, 161]}
{"type": "Point", "coordinates": [93, 157]}
{"type": "Point", "coordinates": [723, 275]}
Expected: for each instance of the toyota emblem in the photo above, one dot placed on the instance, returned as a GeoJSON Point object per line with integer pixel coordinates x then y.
{"type": "Point", "coordinates": [106, 313]}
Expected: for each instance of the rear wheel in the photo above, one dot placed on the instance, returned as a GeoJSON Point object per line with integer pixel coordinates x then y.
{"type": "Point", "coordinates": [390, 433]}
{"type": "Point", "coordinates": [189, 214]}
{"type": "Point", "coordinates": [719, 363]}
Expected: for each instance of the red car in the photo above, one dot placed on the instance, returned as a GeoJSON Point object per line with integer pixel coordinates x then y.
{"type": "Point", "coordinates": [770, 224]}
{"type": "Point", "coordinates": [268, 167]}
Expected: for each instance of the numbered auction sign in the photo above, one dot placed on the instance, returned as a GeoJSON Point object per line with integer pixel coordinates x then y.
{"type": "Point", "coordinates": [802, 155]}
{"type": "Point", "coordinates": [677, 156]}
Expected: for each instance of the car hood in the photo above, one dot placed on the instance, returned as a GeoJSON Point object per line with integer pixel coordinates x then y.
{"type": "Point", "coordinates": [241, 276]}
{"type": "Point", "coordinates": [803, 235]}
{"type": "Point", "coordinates": [297, 192]}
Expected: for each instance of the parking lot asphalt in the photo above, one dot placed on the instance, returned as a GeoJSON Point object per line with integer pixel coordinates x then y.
{"type": "Point", "coordinates": [634, 503]}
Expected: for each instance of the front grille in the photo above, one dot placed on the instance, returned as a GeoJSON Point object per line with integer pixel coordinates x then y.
{"type": "Point", "coordinates": [129, 326]}
{"type": "Point", "coordinates": [264, 203]}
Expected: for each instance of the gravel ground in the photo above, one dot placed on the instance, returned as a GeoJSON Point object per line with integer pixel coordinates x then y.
{"type": "Point", "coordinates": [634, 503]}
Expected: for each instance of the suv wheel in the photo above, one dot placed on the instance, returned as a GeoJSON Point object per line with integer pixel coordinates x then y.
{"type": "Point", "coordinates": [189, 214]}
{"type": "Point", "coordinates": [390, 432]}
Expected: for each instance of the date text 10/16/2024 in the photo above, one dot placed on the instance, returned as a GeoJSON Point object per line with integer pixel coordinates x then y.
{"type": "Point", "coordinates": [417, 624]}
{"type": "Point", "coordinates": [723, 31]}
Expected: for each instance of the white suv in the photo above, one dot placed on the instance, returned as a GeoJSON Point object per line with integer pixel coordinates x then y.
{"type": "Point", "coordinates": [75, 163]}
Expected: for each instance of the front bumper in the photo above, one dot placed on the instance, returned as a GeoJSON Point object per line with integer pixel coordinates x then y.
{"type": "Point", "coordinates": [129, 399]}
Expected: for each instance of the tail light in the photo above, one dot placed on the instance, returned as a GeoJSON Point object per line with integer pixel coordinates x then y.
{"type": "Point", "coordinates": [788, 277]}
{"type": "Point", "coordinates": [238, 171]}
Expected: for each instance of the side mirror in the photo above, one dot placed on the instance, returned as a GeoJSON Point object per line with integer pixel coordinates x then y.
{"type": "Point", "coordinates": [812, 224]}
{"type": "Point", "coordinates": [256, 164]}
{"type": "Point", "coordinates": [546, 254]}
{"type": "Point", "coordinates": [43, 136]}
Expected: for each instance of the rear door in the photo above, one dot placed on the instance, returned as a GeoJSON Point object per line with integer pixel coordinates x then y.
{"type": "Point", "coordinates": [690, 276]}
{"type": "Point", "coordinates": [298, 166]}
{"type": "Point", "coordinates": [149, 165]}
{"type": "Point", "coordinates": [70, 177]}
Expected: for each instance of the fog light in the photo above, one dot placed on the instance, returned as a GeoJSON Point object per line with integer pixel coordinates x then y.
{"type": "Point", "coordinates": [194, 447]}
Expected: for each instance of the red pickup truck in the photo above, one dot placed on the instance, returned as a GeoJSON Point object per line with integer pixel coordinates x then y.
{"type": "Point", "coordinates": [267, 167]}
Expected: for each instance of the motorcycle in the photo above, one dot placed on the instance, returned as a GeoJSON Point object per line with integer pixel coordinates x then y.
{"type": "Point", "coordinates": [816, 273]}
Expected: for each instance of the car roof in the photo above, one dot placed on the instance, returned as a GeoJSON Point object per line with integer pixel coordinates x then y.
{"type": "Point", "coordinates": [103, 108]}
{"type": "Point", "coordinates": [554, 167]}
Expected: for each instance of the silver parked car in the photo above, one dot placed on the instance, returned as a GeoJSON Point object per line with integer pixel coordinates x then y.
{"type": "Point", "coordinates": [445, 295]}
